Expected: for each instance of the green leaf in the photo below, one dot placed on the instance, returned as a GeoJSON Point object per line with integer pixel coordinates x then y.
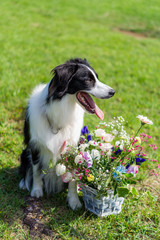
{"type": "Point", "coordinates": [44, 172]}
{"type": "Point", "coordinates": [122, 192]}
{"type": "Point", "coordinates": [134, 191]}
{"type": "Point", "coordinates": [50, 164]}
{"type": "Point", "coordinates": [130, 181]}
{"type": "Point", "coordinates": [151, 197]}
{"type": "Point", "coordinates": [129, 175]}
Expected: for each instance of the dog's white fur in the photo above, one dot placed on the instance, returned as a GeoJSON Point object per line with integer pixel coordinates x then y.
{"type": "Point", "coordinates": [66, 115]}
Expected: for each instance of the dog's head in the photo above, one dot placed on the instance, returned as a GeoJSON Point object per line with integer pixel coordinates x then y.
{"type": "Point", "coordinates": [78, 77]}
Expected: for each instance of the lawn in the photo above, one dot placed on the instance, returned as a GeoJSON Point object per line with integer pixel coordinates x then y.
{"type": "Point", "coordinates": [121, 40]}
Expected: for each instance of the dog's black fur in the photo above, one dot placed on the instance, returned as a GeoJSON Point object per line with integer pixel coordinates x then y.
{"type": "Point", "coordinates": [73, 77]}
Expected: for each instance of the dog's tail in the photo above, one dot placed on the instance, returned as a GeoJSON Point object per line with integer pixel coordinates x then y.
{"type": "Point", "coordinates": [26, 170]}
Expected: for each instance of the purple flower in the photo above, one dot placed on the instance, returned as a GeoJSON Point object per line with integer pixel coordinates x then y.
{"type": "Point", "coordinates": [139, 161]}
{"type": "Point", "coordinates": [88, 159]}
{"type": "Point", "coordinates": [89, 138]}
{"type": "Point", "coordinates": [118, 151]}
{"type": "Point", "coordinates": [128, 165]}
{"type": "Point", "coordinates": [133, 169]}
{"type": "Point", "coordinates": [82, 140]}
{"type": "Point", "coordinates": [84, 130]}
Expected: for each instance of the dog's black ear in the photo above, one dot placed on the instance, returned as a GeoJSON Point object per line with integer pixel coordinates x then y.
{"type": "Point", "coordinates": [63, 74]}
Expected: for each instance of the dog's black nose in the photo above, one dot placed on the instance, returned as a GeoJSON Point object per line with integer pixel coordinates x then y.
{"type": "Point", "coordinates": [111, 92]}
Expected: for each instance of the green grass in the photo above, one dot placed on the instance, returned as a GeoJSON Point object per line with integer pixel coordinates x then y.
{"type": "Point", "coordinates": [35, 37]}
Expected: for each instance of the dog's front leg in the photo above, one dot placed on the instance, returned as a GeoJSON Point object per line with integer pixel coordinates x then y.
{"type": "Point", "coordinates": [37, 189]}
{"type": "Point", "coordinates": [72, 196]}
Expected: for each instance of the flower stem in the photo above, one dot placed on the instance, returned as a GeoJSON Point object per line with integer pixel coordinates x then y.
{"type": "Point", "coordinates": [138, 130]}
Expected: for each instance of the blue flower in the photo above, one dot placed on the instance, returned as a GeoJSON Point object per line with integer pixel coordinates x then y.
{"type": "Point", "coordinates": [118, 151]}
{"type": "Point", "coordinates": [84, 130]}
{"type": "Point", "coordinates": [119, 169]}
{"type": "Point", "coordinates": [128, 165]}
{"type": "Point", "coordinates": [139, 161]}
{"type": "Point", "coordinates": [89, 138]}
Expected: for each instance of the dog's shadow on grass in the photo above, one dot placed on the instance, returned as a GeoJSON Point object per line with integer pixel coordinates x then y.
{"type": "Point", "coordinates": [45, 214]}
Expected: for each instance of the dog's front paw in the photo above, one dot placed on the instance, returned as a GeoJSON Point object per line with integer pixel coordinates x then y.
{"type": "Point", "coordinates": [22, 184]}
{"type": "Point", "coordinates": [37, 192]}
{"type": "Point", "coordinates": [74, 202]}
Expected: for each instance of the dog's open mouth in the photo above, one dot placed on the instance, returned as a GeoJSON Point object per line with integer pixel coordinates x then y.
{"type": "Point", "coordinates": [87, 102]}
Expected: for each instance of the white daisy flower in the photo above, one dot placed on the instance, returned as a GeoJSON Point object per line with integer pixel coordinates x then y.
{"type": "Point", "coordinates": [144, 120]}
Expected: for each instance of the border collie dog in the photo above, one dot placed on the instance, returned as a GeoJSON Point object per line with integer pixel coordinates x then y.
{"type": "Point", "coordinates": [54, 118]}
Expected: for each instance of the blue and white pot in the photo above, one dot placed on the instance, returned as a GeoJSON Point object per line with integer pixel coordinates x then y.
{"type": "Point", "coordinates": [103, 206]}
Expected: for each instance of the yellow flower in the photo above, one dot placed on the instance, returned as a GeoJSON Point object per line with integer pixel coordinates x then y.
{"type": "Point", "coordinates": [90, 178]}
{"type": "Point", "coordinates": [138, 139]}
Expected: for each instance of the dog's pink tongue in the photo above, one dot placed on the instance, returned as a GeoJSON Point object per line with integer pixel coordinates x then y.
{"type": "Point", "coordinates": [99, 112]}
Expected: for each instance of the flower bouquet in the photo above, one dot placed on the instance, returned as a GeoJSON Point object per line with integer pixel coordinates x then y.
{"type": "Point", "coordinates": [105, 163]}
